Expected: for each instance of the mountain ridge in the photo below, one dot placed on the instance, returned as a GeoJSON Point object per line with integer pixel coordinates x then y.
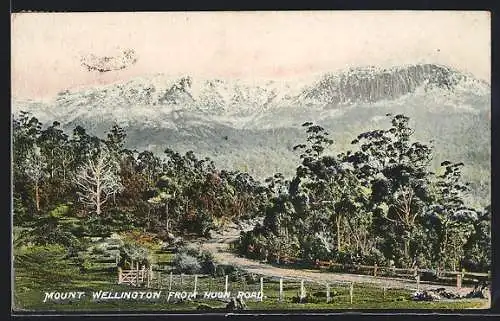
{"type": "Point", "coordinates": [354, 85]}
{"type": "Point", "coordinates": [255, 128]}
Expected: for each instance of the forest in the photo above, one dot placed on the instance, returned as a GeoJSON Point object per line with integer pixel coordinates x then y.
{"type": "Point", "coordinates": [380, 202]}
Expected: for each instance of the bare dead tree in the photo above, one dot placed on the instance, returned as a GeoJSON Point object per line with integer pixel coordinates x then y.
{"type": "Point", "coordinates": [97, 180]}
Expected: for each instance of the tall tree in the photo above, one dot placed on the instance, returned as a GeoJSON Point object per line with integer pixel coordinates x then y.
{"type": "Point", "coordinates": [398, 171]}
{"type": "Point", "coordinates": [451, 218]}
{"type": "Point", "coordinates": [98, 179]}
{"type": "Point", "coordinates": [35, 166]}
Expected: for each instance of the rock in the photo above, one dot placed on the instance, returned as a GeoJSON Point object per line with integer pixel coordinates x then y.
{"type": "Point", "coordinates": [435, 295]}
{"type": "Point", "coordinates": [481, 290]}
{"type": "Point", "coordinates": [425, 296]}
{"type": "Point", "coordinates": [447, 294]}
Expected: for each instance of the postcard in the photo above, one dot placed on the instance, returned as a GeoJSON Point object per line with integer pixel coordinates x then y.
{"type": "Point", "coordinates": [251, 161]}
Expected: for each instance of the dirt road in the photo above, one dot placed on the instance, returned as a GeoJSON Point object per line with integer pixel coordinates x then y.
{"type": "Point", "coordinates": [220, 244]}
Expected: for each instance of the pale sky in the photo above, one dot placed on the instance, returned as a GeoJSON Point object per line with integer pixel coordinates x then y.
{"type": "Point", "coordinates": [46, 47]}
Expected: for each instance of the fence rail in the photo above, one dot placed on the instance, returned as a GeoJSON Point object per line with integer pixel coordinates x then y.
{"type": "Point", "coordinates": [377, 270]}
{"type": "Point", "coordinates": [269, 288]}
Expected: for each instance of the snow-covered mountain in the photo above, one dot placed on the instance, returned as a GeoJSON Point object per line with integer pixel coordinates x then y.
{"type": "Point", "coordinates": [253, 124]}
{"type": "Point", "coordinates": [237, 97]}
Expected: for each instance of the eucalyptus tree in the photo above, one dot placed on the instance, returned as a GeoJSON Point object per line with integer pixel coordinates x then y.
{"type": "Point", "coordinates": [115, 141]}
{"type": "Point", "coordinates": [397, 171]}
{"type": "Point", "coordinates": [84, 146]}
{"type": "Point", "coordinates": [150, 166]}
{"type": "Point", "coordinates": [52, 142]}
{"type": "Point", "coordinates": [165, 195]}
{"type": "Point", "coordinates": [477, 249]}
{"type": "Point", "coordinates": [28, 163]}
{"type": "Point", "coordinates": [450, 216]}
{"type": "Point", "coordinates": [35, 168]}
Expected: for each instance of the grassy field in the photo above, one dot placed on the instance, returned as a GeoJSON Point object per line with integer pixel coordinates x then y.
{"type": "Point", "coordinates": [34, 277]}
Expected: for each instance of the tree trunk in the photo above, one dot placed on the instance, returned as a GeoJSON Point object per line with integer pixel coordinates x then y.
{"type": "Point", "coordinates": [149, 219]}
{"type": "Point", "coordinates": [406, 250]}
{"type": "Point", "coordinates": [166, 214]}
{"type": "Point", "coordinates": [443, 248]}
{"type": "Point", "coordinates": [98, 202]}
{"type": "Point", "coordinates": [339, 240]}
{"type": "Point", "coordinates": [37, 197]}
{"type": "Point", "coordinates": [52, 164]}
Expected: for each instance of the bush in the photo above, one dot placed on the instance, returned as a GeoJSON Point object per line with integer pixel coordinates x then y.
{"type": "Point", "coordinates": [429, 276]}
{"type": "Point", "coordinates": [146, 240]}
{"type": "Point", "coordinates": [251, 244]}
{"type": "Point", "coordinates": [135, 252]}
{"type": "Point", "coordinates": [224, 269]}
{"type": "Point", "coordinates": [207, 262]}
{"type": "Point", "coordinates": [46, 230]}
{"type": "Point", "coordinates": [374, 257]}
{"type": "Point", "coordinates": [185, 263]}
{"type": "Point", "coordinates": [314, 248]}
{"type": "Point", "coordinates": [95, 225]}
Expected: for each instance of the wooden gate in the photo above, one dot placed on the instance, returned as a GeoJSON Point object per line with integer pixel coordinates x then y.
{"type": "Point", "coordinates": [134, 277]}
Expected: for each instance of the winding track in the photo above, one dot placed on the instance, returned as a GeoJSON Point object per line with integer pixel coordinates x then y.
{"type": "Point", "coordinates": [219, 246]}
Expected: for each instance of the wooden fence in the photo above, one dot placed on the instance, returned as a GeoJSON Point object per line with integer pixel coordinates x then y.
{"type": "Point", "coordinates": [375, 270]}
{"type": "Point", "coordinates": [135, 277]}
{"type": "Point", "coordinates": [144, 276]}
{"type": "Point", "coordinates": [269, 288]}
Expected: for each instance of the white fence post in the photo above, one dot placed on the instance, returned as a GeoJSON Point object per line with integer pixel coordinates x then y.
{"type": "Point", "coordinates": [351, 290]}
{"type": "Point", "coordinates": [302, 292]}
{"type": "Point", "coordinates": [281, 290]}
{"type": "Point", "coordinates": [226, 285]}
{"type": "Point", "coordinates": [170, 282]}
{"type": "Point", "coordinates": [137, 274]}
{"type": "Point", "coordinates": [195, 283]}
{"type": "Point", "coordinates": [327, 293]}
{"type": "Point", "coordinates": [459, 280]}
{"type": "Point", "coordinates": [119, 275]}
{"type": "Point", "coordinates": [261, 289]}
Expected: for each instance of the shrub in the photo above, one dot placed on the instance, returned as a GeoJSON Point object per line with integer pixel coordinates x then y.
{"type": "Point", "coordinates": [135, 252]}
{"type": "Point", "coordinates": [314, 248]}
{"type": "Point", "coordinates": [374, 257]}
{"type": "Point", "coordinates": [207, 262]}
{"type": "Point", "coordinates": [185, 263]}
{"type": "Point", "coordinates": [46, 230]}
{"type": "Point", "coordinates": [147, 240]}
{"type": "Point", "coordinates": [224, 269]}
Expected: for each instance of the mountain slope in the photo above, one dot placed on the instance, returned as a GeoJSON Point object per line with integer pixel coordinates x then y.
{"type": "Point", "coordinates": [253, 125]}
